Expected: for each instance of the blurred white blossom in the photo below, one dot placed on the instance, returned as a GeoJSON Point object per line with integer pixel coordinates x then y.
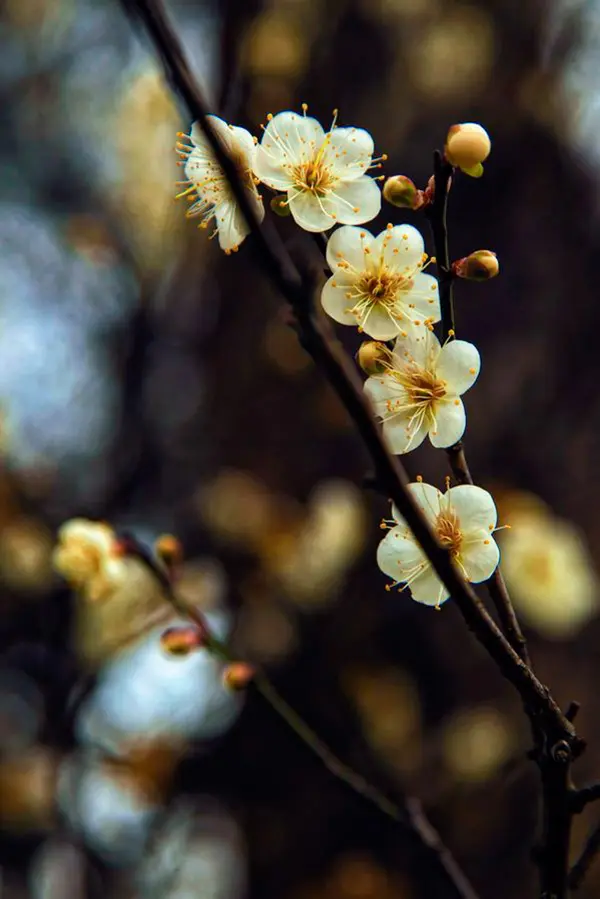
{"type": "Point", "coordinates": [378, 283]}
{"type": "Point", "coordinates": [107, 810]}
{"type": "Point", "coordinates": [548, 568]}
{"type": "Point", "coordinates": [198, 851]}
{"type": "Point", "coordinates": [143, 692]}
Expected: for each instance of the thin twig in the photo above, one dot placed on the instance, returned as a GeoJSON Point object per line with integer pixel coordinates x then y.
{"type": "Point", "coordinates": [410, 815]}
{"type": "Point", "coordinates": [333, 362]}
{"type": "Point", "coordinates": [553, 759]}
{"type": "Point", "coordinates": [584, 862]}
{"type": "Point", "coordinates": [583, 796]}
{"type": "Point", "coordinates": [437, 215]}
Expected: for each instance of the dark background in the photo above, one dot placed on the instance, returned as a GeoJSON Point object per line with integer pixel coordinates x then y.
{"type": "Point", "coordinates": [149, 380]}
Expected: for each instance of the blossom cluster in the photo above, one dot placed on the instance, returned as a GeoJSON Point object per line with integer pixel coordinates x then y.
{"type": "Point", "coordinates": [378, 283]}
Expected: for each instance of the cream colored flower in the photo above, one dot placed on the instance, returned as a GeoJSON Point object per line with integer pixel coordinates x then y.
{"type": "Point", "coordinates": [82, 548]}
{"type": "Point", "coordinates": [378, 283]}
{"type": "Point", "coordinates": [419, 393]}
{"type": "Point", "coordinates": [548, 569]}
{"type": "Point", "coordinates": [463, 519]}
{"type": "Point", "coordinates": [323, 174]}
{"type": "Point", "coordinates": [206, 183]}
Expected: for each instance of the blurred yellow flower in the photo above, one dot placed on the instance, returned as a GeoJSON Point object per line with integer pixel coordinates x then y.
{"type": "Point", "coordinates": [476, 742]}
{"type": "Point", "coordinates": [547, 567]}
{"type": "Point", "coordinates": [145, 120]}
{"type": "Point", "coordinates": [123, 596]}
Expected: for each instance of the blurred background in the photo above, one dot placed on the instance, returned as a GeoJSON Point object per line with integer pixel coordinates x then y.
{"type": "Point", "coordinates": [150, 381]}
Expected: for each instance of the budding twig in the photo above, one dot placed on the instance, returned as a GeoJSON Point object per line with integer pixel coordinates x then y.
{"type": "Point", "coordinates": [328, 355]}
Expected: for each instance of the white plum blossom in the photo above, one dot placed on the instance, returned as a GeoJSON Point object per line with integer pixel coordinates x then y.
{"type": "Point", "coordinates": [463, 520]}
{"type": "Point", "coordinates": [208, 187]}
{"type": "Point", "coordinates": [323, 174]}
{"type": "Point", "coordinates": [419, 392]}
{"type": "Point", "coordinates": [378, 283]}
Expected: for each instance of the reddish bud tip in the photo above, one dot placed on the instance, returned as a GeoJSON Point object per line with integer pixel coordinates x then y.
{"type": "Point", "coordinates": [181, 641]}
{"type": "Point", "coordinates": [237, 675]}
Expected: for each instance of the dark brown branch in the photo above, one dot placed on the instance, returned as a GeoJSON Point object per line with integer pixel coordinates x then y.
{"type": "Point", "coordinates": [553, 758]}
{"type": "Point", "coordinates": [582, 797]}
{"type": "Point", "coordinates": [333, 362]}
{"type": "Point", "coordinates": [584, 862]}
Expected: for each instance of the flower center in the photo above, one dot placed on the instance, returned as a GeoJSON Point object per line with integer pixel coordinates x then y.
{"type": "Point", "coordinates": [313, 176]}
{"type": "Point", "coordinates": [422, 386]}
{"type": "Point", "coordinates": [447, 529]}
{"type": "Point", "coordinates": [382, 287]}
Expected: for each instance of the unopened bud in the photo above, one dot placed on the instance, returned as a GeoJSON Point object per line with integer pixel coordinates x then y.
{"type": "Point", "coordinates": [237, 675]}
{"type": "Point", "coordinates": [169, 549]}
{"type": "Point", "coordinates": [181, 641]}
{"type": "Point", "coordinates": [467, 146]}
{"type": "Point", "coordinates": [402, 192]}
{"type": "Point", "coordinates": [373, 357]}
{"type": "Point", "coordinates": [280, 205]}
{"type": "Point", "coordinates": [478, 266]}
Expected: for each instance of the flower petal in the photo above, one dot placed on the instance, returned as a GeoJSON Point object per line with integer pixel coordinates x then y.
{"type": "Point", "coordinates": [450, 425]}
{"type": "Point", "coordinates": [401, 246]}
{"type": "Point", "coordinates": [378, 323]}
{"type": "Point", "coordinates": [219, 126]}
{"type": "Point", "coordinates": [336, 303]}
{"type": "Point", "coordinates": [349, 152]}
{"type": "Point", "coordinates": [353, 202]}
{"type": "Point", "coordinates": [290, 138]}
{"type": "Point", "coordinates": [243, 142]}
{"type": "Point", "coordinates": [427, 497]}
{"type": "Point", "coordinates": [381, 390]}
{"type": "Point", "coordinates": [474, 507]}
{"type": "Point", "coordinates": [480, 557]}
{"type": "Point", "coordinates": [311, 212]}
{"type": "Point", "coordinates": [458, 364]}
{"type": "Point", "coordinates": [424, 297]}
{"type": "Point", "coordinates": [348, 245]}
{"type": "Point", "coordinates": [270, 173]}
{"type": "Point", "coordinates": [401, 435]}
{"type": "Point", "coordinates": [419, 345]}
{"type": "Point", "coordinates": [428, 589]}
{"type": "Point", "coordinates": [398, 554]}
{"type": "Point", "coordinates": [231, 225]}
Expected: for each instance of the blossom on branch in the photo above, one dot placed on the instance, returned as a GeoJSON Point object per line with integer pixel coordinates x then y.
{"type": "Point", "coordinates": [209, 189]}
{"type": "Point", "coordinates": [378, 283]}
{"type": "Point", "coordinates": [463, 520]}
{"type": "Point", "coordinates": [322, 174]}
{"type": "Point", "coordinates": [419, 392]}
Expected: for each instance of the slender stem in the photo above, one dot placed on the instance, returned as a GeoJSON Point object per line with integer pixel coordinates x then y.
{"type": "Point", "coordinates": [583, 864]}
{"type": "Point", "coordinates": [333, 362]}
{"type": "Point", "coordinates": [409, 815]}
{"type": "Point", "coordinates": [553, 758]}
{"type": "Point", "coordinates": [437, 216]}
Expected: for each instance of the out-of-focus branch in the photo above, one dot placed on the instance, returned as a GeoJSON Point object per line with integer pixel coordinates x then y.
{"type": "Point", "coordinates": [583, 864]}
{"type": "Point", "coordinates": [583, 796]}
